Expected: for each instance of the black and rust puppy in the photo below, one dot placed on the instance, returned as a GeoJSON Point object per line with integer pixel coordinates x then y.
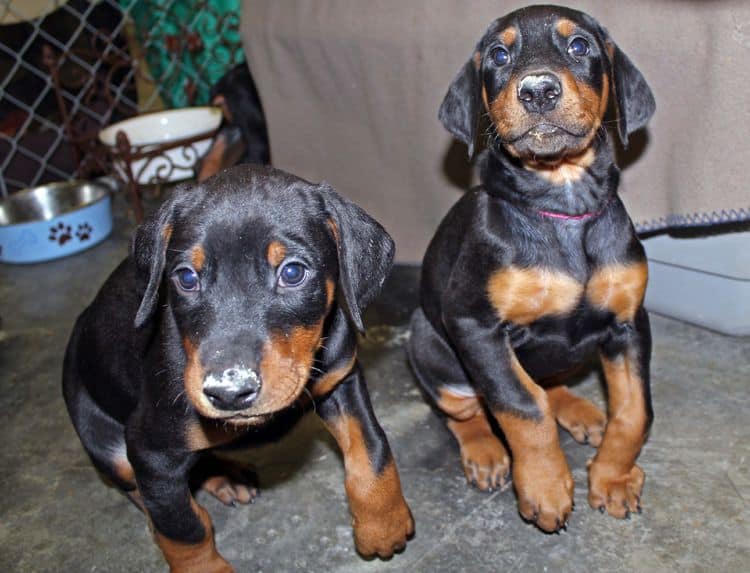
{"type": "Point", "coordinates": [243, 135]}
{"type": "Point", "coordinates": [539, 267]}
{"type": "Point", "coordinates": [242, 296]}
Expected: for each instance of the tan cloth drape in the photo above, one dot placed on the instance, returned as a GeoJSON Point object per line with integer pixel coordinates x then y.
{"type": "Point", "coordinates": [351, 91]}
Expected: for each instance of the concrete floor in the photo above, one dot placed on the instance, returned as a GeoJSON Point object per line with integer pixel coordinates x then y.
{"type": "Point", "coordinates": [57, 516]}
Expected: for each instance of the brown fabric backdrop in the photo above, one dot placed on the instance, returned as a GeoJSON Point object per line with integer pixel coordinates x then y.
{"type": "Point", "coordinates": [351, 91]}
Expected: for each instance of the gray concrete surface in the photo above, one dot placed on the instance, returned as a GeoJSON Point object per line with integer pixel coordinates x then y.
{"type": "Point", "coordinates": [57, 515]}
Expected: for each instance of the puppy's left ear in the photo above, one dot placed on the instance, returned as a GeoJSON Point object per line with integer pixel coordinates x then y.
{"type": "Point", "coordinates": [634, 99]}
{"type": "Point", "coordinates": [459, 113]}
{"type": "Point", "coordinates": [365, 252]}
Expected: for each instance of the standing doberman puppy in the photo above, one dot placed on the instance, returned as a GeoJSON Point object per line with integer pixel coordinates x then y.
{"type": "Point", "coordinates": [213, 326]}
{"type": "Point", "coordinates": [539, 266]}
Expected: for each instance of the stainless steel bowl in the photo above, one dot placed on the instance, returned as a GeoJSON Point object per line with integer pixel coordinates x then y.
{"type": "Point", "coordinates": [53, 220]}
{"type": "Point", "coordinates": [49, 201]}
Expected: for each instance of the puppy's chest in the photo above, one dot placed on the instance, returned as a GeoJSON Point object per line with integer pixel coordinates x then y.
{"type": "Point", "coordinates": [525, 295]}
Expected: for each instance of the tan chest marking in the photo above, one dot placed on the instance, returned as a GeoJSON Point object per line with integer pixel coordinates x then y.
{"type": "Point", "coordinates": [522, 296]}
{"type": "Point", "coordinates": [568, 170]}
{"type": "Point", "coordinates": [619, 288]}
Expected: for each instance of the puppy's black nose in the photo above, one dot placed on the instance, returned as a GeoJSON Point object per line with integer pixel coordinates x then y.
{"type": "Point", "coordinates": [539, 93]}
{"type": "Point", "coordinates": [233, 389]}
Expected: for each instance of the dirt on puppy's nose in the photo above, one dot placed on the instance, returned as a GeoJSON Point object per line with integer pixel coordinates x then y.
{"type": "Point", "coordinates": [235, 388]}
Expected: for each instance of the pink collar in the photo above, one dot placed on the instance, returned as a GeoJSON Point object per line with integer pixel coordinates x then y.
{"type": "Point", "coordinates": [580, 217]}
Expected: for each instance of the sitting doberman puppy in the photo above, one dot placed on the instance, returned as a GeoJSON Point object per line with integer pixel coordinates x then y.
{"type": "Point", "coordinates": [214, 326]}
{"type": "Point", "coordinates": [539, 266]}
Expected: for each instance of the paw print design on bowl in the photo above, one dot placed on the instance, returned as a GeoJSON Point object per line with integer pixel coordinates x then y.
{"type": "Point", "coordinates": [60, 233]}
{"type": "Point", "coordinates": [84, 232]}
{"type": "Point", "coordinates": [54, 220]}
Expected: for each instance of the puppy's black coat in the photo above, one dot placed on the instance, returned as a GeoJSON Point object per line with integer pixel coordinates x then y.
{"type": "Point", "coordinates": [241, 299]}
{"type": "Point", "coordinates": [539, 267]}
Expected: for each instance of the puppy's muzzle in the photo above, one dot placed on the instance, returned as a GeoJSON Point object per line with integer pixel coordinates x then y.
{"type": "Point", "coordinates": [233, 389]}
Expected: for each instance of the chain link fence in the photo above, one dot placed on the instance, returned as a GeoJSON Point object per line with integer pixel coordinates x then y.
{"type": "Point", "coordinates": [111, 59]}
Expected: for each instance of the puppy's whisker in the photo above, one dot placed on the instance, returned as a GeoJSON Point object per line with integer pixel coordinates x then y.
{"type": "Point", "coordinates": [306, 391]}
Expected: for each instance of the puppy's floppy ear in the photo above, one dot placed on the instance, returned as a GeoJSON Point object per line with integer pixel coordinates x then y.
{"type": "Point", "coordinates": [365, 252]}
{"type": "Point", "coordinates": [460, 111]}
{"type": "Point", "coordinates": [635, 102]}
{"type": "Point", "coordinates": [149, 249]}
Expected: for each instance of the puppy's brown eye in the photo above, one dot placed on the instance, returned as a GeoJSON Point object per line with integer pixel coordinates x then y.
{"type": "Point", "coordinates": [500, 56]}
{"type": "Point", "coordinates": [578, 47]}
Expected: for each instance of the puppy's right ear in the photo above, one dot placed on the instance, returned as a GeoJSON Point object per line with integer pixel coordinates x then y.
{"type": "Point", "coordinates": [460, 111]}
{"type": "Point", "coordinates": [634, 98]}
{"type": "Point", "coordinates": [149, 250]}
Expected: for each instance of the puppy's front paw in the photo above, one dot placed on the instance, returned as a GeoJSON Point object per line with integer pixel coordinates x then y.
{"type": "Point", "coordinates": [545, 493]}
{"type": "Point", "coordinates": [613, 491]}
{"type": "Point", "coordinates": [383, 534]}
{"type": "Point", "coordinates": [486, 463]}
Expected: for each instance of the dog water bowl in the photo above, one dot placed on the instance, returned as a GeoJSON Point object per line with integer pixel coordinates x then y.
{"type": "Point", "coordinates": [53, 221]}
{"type": "Point", "coordinates": [157, 138]}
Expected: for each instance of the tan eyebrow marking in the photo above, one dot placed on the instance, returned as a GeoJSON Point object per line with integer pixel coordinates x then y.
{"type": "Point", "coordinates": [508, 36]}
{"type": "Point", "coordinates": [565, 27]}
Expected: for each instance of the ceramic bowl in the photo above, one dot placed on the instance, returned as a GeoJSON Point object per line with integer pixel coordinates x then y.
{"type": "Point", "coordinates": [53, 221]}
{"type": "Point", "coordinates": [150, 130]}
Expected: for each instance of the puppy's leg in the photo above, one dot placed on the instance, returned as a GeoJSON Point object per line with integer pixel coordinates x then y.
{"type": "Point", "coordinates": [182, 529]}
{"type": "Point", "coordinates": [486, 463]}
{"type": "Point", "coordinates": [381, 519]}
{"type": "Point", "coordinates": [615, 481]}
{"type": "Point", "coordinates": [541, 476]}
{"type": "Point", "coordinates": [226, 149]}
{"type": "Point", "coordinates": [485, 460]}
{"type": "Point", "coordinates": [580, 417]}
{"type": "Point", "coordinates": [102, 436]}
